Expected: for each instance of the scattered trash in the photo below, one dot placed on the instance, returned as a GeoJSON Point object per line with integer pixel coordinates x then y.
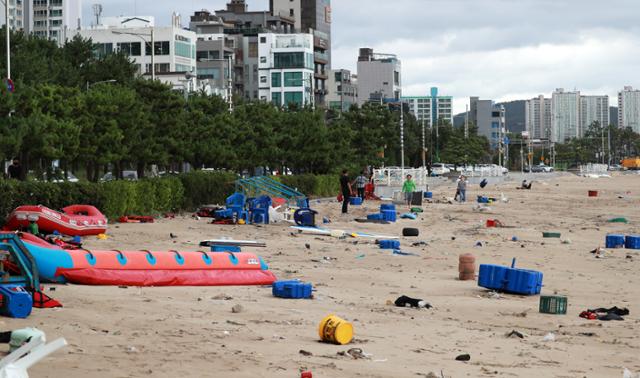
{"type": "Point", "coordinates": [629, 374]}
{"type": "Point", "coordinates": [237, 308]}
{"type": "Point", "coordinates": [466, 267]}
{"type": "Point", "coordinates": [553, 304]}
{"type": "Point", "coordinates": [333, 329]}
{"type": "Point", "coordinates": [326, 220]}
{"type": "Point", "coordinates": [389, 244]}
{"type": "Point", "coordinates": [478, 244]}
{"type": "Point", "coordinates": [307, 245]}
{"type": "Point", "coordinates": [566, 241]}
{"type": "Point", "coordinates": [618, 220]}
{"type": "Point", "coordinates": [605, 314]}
{"type": "Point", "coordinates": [291, 289]}
{"type": "Point", "coordinates": [402, 253]}
{"type": "Point", "coordinates": [172, 236]}
{"type": "Point", "coordinates": [549, 337]}
{"type": "Point", "coordinates": [356, 354]}
{"type": "Point", "coordinates": [359, 257]}
{"type": "Point", "coordinates": [419, 244]}
{"type": "Point", "coordinates": [305, 352]}
{"type": "Point", "coordinates": [514, 238]}
{"type": "Point", "coordinates": [408, 231]}
{"type": "Point", "coordinates": [306, 374]}
{"type": "Point", "coordinates": [222, 297]}
{"type": "Point", "coordinates": [463, 357]}
{"type": "Point", "coordinates": [515, 333]}
{"type": "Point", "coordinates": [102, 236]}
{"type": "Point", "coordinates": [551, 235]}
{"type": "Point", "coordinates": [132, 349]}
{"type": "Point", "coordinates": [404, 301]}
{"type": "Point", "coordinates": [510, 279]}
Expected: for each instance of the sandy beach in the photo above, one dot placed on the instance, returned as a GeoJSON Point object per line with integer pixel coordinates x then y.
{"type": "Point", "coordinates": [192, 332]}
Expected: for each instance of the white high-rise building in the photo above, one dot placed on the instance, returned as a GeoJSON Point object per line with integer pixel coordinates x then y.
{"type": "Point", "coordinates": [431, 108]}
{"type": "Point", "coordinates": [629, 109]}
{"type": "Point", "coordinates": [17, 13]}
{"type": "Point", "coordinates": [593, 109]}
{"type": "Point", "coordinates": [286, 68]}
{"type": "Point", "coordinates": [538, 117]}
{"type": "Point", "coordinates": [54, 19]}
{"type": "Point", "coordinates": [565, 118]}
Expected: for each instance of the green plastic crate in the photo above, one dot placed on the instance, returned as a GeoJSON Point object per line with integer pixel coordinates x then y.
{"type": "Point", "coordinates": [553, 304]}
{"type": "Point", "coordinates": [550, 234]}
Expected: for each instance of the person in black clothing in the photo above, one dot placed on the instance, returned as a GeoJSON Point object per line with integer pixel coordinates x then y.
{"type": "Point", "coordinates": [345, 187]}
{"type": "Point", "coordinates": [15, 170]}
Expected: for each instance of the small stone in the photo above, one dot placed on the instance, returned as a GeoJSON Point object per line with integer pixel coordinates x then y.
{"type": "Point", "coordinates": [237, 309]}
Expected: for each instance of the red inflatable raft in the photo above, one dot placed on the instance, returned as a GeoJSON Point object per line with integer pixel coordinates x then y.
{"type": "Point", "coordinates": [74, 220]}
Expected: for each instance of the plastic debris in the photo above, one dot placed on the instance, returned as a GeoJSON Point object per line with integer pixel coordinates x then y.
{"type": "Point", "coordinates": [549, 337]}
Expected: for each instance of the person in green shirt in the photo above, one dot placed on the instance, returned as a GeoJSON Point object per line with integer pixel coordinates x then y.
{"type": "Point", "coordinates": [33, 228]}
{"type": "Point", "coordinates": [408, 188]}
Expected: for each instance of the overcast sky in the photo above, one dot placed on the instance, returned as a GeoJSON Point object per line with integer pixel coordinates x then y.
{"type": "Point", "coordinates": [495, 49]}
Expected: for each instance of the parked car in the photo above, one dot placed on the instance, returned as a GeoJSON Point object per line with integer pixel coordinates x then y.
{"type": "Point", "coordinates": [616, 167]}
{"type": "Point", "coordinates": [546, 168]}
{"type": "Point", "coordinates": [58, 176]}
{"type": "Point", "coordinates": [126, 175]}
{"type": "Point", "coordinates": [439, 169]}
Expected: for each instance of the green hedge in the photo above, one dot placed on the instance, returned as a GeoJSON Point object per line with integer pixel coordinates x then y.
{"type": "Point", "coordinates": [146, 197]}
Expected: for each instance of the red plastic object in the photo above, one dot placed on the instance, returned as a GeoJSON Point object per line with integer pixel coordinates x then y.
{"type": "Point", "coordinates": [277, 201]}
{"type": "Point", "coordinates": [306, 374]}
{"type": "Point", "coordinates": [136, 219]}
{"type": "Point", "coordinates": [491, 222]}
{"type": "Point", "coordinates": [593, 193]}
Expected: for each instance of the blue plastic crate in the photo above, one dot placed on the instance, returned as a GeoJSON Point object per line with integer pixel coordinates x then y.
{"type": "Point", "coordinates": [387, 206]}
{"type": "Point", "coordinates": [225, 248]}
{"type": "Point", "coordinates": [483, 199]}
{"type": "Point", "coordinates": [16, 301]}
{"type": "Point", "coordinates": [389, 244]}
{"type": "Point", "coordinates": [355, 201]}
{"type": "Point", "coordinates": [376, 216]}
{"type": "Point", "coordinates": [511, 280]}
{"type": "Point", "coordinates": [632, 242]}
{"type": "Point", "coordinates": [389, 215]}
{"type": "Point", "coordinates": [428, 194]}
{"type": "Point", "coordinates": [614, 241]}
{"type": "Point", "coordinates": [291, 289]}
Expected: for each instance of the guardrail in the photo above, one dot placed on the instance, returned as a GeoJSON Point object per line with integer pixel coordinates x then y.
{"type": "Point", "coordinates": [396, 176]}
{"type": "Point", "coordinates": [594, 169]}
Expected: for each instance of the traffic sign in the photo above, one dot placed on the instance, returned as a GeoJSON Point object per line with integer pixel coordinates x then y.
{"type": "Point", "coordinates": [10, 86]}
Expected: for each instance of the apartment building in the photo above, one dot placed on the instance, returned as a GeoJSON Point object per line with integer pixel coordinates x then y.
{"type": "Point", "coordinates": [379, 77]}
{"type": "Point", "coordinates": [538, 117]}
{"type": "Point", "coordinates": [489, 118]}
{"type": "Point", "coordinates": [629, 108]}
{"type": "Point", "coordinates": [342, 90]}
{"type": "Point", "coordinates": [430, 109]}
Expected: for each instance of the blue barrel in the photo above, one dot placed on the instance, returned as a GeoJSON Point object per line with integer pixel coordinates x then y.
{"type": "Point", "coordinates": [387, 206]}
{"type": "Point", "coordinates": [428, 194]}
{"type": "Point", "coordinates": [510, 280]}
{"type": "Point", "coordinates": [16, 301]}
{"type": "Point", "coordinates": [376, 216]}
{"type": "Point", "coordinates": [632, 242]}
{"type": "Point", "coordinates": [389, 215]}
{"type": "Point", "coordinates": [389, 244]}
{"type": "Point", "coordinates": [614, 241]}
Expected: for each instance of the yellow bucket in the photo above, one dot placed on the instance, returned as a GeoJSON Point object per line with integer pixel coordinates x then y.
{"type": "Point", "coordinates": [334, 329]}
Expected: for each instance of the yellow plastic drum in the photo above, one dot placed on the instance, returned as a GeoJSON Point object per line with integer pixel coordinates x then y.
{"type": "Point", "coordinates": [334, 329]}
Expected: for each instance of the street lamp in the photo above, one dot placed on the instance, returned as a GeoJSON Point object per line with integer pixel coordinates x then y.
{"type": "Point", "coordinates": [98, 82]}
{"type": "Point", "coordinates": [153, 48]}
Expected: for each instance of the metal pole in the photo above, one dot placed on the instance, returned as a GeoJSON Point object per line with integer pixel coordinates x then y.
{"type": "Point", "coordinates": [602, 137]}
{"type": "Point", "coordinates": [6, 11]}
{"type": "Point", "coordinates": [424, 155]}
{"type": "Point", "coordinates": [466, 121]}
{"type": "Point", "coordinates": [609, 142]}
{"type": "Point", "coordinates": [153, 57]}
{"type": "Point", "coordinates": [230, 84]}
{"type": "Point", "coordinates": [402, 137]}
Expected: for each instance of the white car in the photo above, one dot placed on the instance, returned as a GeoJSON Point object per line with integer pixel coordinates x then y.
{"type": "Point", "coordinates": [439, 169]}
{"type": "Point", "coordinates": [546, 168]}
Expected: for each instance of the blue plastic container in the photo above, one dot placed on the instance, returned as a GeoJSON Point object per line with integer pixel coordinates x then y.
{"type": "Point", "coordinates": [387, 206]}
{"type": "Point", "coordinates": [511, 280]}
{"type": "Point", "coordinates": [225, 248]}
{"type": "Point", "coordinates": [428, 194]}
{"type": "Point", "coordinates": [16, 301]}
{"type": "Point", "coordinates": [632, 242]}
{"type": "Point", "coordinates": [389, 215]}
{"type": "Point", "coordinates": [355, 201]}
{"type": "Point", "coordinates": [291, 289]}
{"type": "Point", "coordinates": [389, 244]}
{"type": "Point", "coordinates": [376, 216]}
{"type": "Point", "coordinates": [305, 217]}
{"type": "Point", "coordinates": [614, 241]}
{"type": "Point", "coordinates": [483, 199]}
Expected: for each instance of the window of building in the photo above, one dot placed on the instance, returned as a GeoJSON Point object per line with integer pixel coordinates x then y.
{"type": "Point", "coordinates": [208, 73]}
{"type": "Point", "coordinates": [100, 49]}
{"type": "Point", "coordinates": [385, 83]}
{"type": "Point", "coordinates": [55, 3]}
{"type": "Point", "coordinates": [255, 94]}
{"type": "Point", "coordinates": [40, 13]}
{"type": "Point", "coordinates": [55, 13]}
{"type": "Point", "coordinates": [291, 12]}
{"type": "Point", "coordinates": [276, 98]}
{"type": "Point", "coordinates": [396, 78]}
{"type": "Point", "coordinates": [293, 98]}
{"type": "Point", "coordinates": [183, 68]}
{"type": "Point", "coordinates": [130, 48]}
{"type": "Point", "coordinates": [276, 79]}
{"type": "Point", "coordinates": [183, 49]}
{"type": "Point", "coordinates": [263, 80]}
{"type": "Point", "coordinates": [263, 59]}
{"type": "Point", "coordinates": [495, 125]}
{"type": "Point", "coordinates": [160, 48]}
{"type": "Point", "coordinates": [207, 55]}
{"type": "Point", "coordinates": [253, 49]}
{"type": "Point", "coordinates": [293, 79]}
{"type": "Point", "coordinates": [263, 39]}
{"type": "Point", "coordinates": [338, 76]}
{"type": "Point", "coordinates": [40, 23]}
{"type": "Point", "coordinates": [39, 3]}
{"type": "Point", "coordinates": [495, 114]}
{"type": "Point", "coordinates": [160, 67]}
{"type": "Point", "coordinates": [292, 60]}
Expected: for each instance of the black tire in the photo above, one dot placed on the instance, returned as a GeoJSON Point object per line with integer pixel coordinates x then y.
{"type": "Point", "coordinates": [410, 231]}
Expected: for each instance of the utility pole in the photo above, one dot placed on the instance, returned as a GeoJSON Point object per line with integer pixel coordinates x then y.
{"type": "Point", "coordinates": [402, 136]}
{"type": "Point", "coordinates": [424, 153]}
{"type": "Point", "coordinates": [466, 122]}
{"type": "Point", "coordinates": [153, 57]}
{"type": "Point", "coordinates": [602, 137]}
{"type": "Point", "coordinates": [609, 143]}
{"type": "Point", "coordinates": [6, 25]}
{"type": "Point", "coordinates": [229, 86]}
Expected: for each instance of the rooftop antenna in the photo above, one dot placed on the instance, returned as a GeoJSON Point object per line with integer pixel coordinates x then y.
{"type": "Point", "coordinates": [97, 11]}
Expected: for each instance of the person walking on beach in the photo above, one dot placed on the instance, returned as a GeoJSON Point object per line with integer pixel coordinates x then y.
{"type": "Point", "coordinates": [345, 187]}
{"type": "Point", "coordinates": [462, 188]}
{"type": "Point", "coordinates": [361, 182]}
{"type": "Point", "coordinates": [408, 188]}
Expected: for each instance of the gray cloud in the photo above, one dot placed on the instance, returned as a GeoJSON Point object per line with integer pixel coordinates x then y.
{"type": "Point", "coordinates": [499, 49]}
